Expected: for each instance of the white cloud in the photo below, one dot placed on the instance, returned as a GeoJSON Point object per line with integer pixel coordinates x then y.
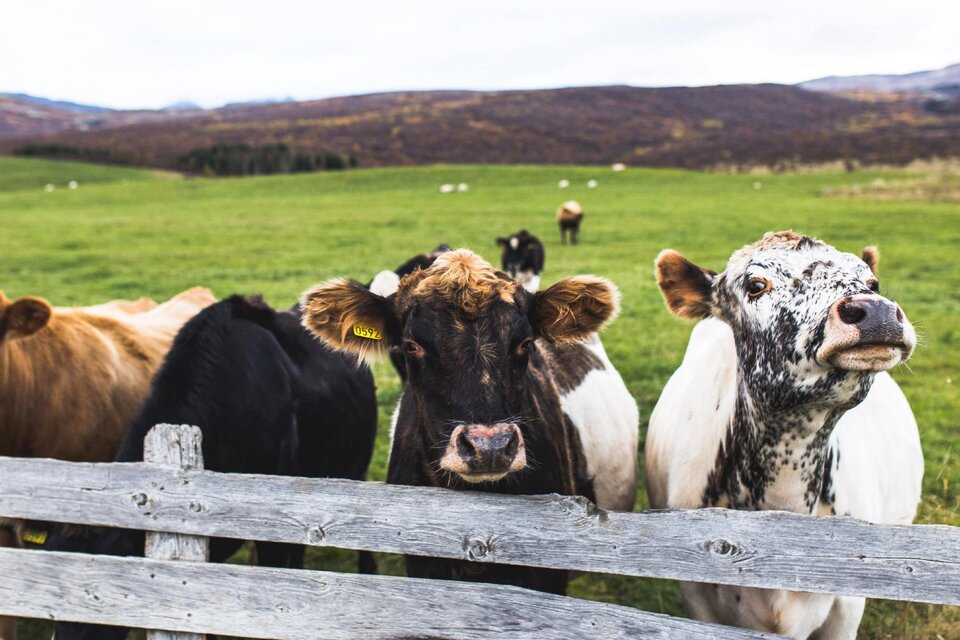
{"type": "Point", "coordinates": [131, 54]}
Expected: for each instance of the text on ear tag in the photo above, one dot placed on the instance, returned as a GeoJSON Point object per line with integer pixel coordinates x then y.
{"type": "Point", "coordinates": [363, 331]}
{"type": "Point", "coordinates": [34, 537]}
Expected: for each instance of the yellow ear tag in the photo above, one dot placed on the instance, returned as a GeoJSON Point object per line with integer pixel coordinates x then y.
{"type": "Point", "coordinates": [363, 331]}
{"type": "Point", "coordinates": [34, 537]}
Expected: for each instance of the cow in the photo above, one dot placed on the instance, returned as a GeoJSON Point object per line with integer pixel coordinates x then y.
{"type": "Point", "coordinates": [72, 378]}
{"type": "Point", "coordinates": [569, 217]}
{"type": "Point", "coordinates": [269, 399]}
{"type": "Point", "coordinates": [783, 402]}
{"type": "Point", "coordinates": [522, 258]}
{"type": "Point", "coordinates": [506, 391]}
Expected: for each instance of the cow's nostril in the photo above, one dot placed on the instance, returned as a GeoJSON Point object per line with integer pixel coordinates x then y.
{"type": "Point", "coordinates": [465, 448]}
{"type": "Point", "coordinates": [851, 312]}
{"type": "Point", "coordinates": [899, 315]}
{"type": "Point", "coordinates": [513, 445]}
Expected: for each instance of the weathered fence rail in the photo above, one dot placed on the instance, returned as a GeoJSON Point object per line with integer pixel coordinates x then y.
{"type": "Point", "coordinates": [255, 602]}
{"type": "Point", "coordinates": [760, 549]}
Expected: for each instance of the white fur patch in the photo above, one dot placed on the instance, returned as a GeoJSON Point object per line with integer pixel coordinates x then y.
{"type": "Point", "coordinates": [606, 418]}
{"type": "Point", "coordinates": [385, 283]}
{"type": "Point", "coordinates": [529, 280]}
{"type": "Point", "coordinates": [514, 243]}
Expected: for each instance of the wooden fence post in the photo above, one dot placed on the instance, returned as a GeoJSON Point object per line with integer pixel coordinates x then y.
{"type": "Point", "coordinates": [177, 446]}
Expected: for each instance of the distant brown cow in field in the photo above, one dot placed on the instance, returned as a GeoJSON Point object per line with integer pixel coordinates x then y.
{"type": "Point", "coordinates": [569, 216]}
{"type": "Point", "coordinates": [72, 378]}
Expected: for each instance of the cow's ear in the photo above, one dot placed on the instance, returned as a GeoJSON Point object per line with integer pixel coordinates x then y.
{"type": "Point", "coordinates": [686, 288]}
{"type": "Point", "coordinates": [26, 316]}
{"type": "Point", "coordinates": [349, 317]}
{"type": "Point", "coordinates": [573, 308]}
{"type": "Point", "coordinates": [502, 242]}
{"type": "Point", "coordinates": [871, 255]}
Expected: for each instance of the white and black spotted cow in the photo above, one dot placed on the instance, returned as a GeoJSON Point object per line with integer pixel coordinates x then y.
{"type": "Point", "coordinates": [522, 258]}
{"type": "Point", "coordinates": [506, 391]}
{"type": "Point", "coordinates": [783, 402]}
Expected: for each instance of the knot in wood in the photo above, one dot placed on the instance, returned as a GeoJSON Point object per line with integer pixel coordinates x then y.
{"type": "Point", "coordinates": [196, 507]}
{"type": "Point", "coordinates": [477, 549]}
{"type": "Point", "coordinates": [315, 534]}
{"type": "Point", "coordinates": [580, 507]}
{"type": "Point", "coordinates": [720, 547]}
{"type": "Point", "coordinates": [140, 499]}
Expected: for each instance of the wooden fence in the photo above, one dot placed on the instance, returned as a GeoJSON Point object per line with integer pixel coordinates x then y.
{"type": "Point", "coordinates": [181, 505]}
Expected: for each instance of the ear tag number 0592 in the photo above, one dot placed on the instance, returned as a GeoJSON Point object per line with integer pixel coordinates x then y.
{"type": "Point", "coordinates": [363, 331]}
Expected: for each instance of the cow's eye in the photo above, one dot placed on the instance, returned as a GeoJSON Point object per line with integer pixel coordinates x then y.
{"type": "Point", "coordinates": [524, 347]}
{"type": "Point", "coordinates": [411, 348]}
{"type": "Point", "coordinates": [756, 287]}
{"type": "Point", "coordinates": [874, 286]}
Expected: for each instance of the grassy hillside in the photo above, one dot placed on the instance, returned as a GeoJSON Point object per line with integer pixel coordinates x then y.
{"type": "Point", "coordinates": [130, 233]}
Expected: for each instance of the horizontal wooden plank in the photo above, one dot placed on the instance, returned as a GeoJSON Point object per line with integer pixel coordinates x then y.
{"type": "Point", "coordinates": [760, 549]}
{"type": "Point", "coordinates": [255, 602]}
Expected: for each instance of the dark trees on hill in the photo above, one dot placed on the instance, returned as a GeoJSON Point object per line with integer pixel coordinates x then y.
{"type": "Point", "coordinates": [244, 160]}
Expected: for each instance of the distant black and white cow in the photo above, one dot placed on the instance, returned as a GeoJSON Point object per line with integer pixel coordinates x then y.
{"type": "Point", "coordinates": [522, 258]}
{"type": "Point", "coordinates": [269, 398]}
{"type": "Point", "coordinates": [386, 282]}
{"type": "Point", "coordinates": [506, 391]}
{"type": "Point", "coordinates": [783, 402]}
{"type": "Point", "coordinates": [569, 217]}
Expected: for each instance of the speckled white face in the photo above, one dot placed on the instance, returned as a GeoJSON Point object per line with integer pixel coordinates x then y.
{"type": "Point", "coordinates": [793, 310]}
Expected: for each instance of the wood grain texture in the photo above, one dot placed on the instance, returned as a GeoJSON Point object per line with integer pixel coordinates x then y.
{"type": "Point", "coordinates": [255, 602]}
{"type": "Point", "coordinates": [176, 447]}
{"type": "Point", "coordinates": [761, 549]}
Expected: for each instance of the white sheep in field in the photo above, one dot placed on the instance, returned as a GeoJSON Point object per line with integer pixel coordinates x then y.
{"type": "Point", "coordinates": [73, 184]}
{"type": "Point", "coordinates": [592, 184]}
{"type": "Point", "coordinates": [563, 184]}
{"type": "Point", "coordinates": [49, 188]}
{"type": "Point", "coordinates": [618, 166]}
{"type": "Point", "coordinates": [447, 188]}
{"type": "Point", "coordinates": [463, 187]}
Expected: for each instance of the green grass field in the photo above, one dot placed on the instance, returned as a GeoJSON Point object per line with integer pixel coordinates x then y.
{"type": "Point", "coordinates": [128, 233]}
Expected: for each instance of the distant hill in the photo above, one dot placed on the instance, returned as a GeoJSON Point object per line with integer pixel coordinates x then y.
{"type": "Point", "coordinates": [55, 104]}
{"type": "Point", "coordinates": [182, 105]}
{"type": "Point", "coordinates": [697, 127]}
{"type": "Point", "coordinates": [946, 79]}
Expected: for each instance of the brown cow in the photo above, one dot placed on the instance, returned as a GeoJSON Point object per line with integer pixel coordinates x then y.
{"type": "Point", "coordinates": [72, 379]}
{"type": "Point", "coordinates": [569, 217]}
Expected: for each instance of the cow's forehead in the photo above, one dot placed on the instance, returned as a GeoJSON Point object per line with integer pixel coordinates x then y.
{"type": "Point", "coordinates": [459, 279]}
{"type": "Point", "coordinates": [791, 257]}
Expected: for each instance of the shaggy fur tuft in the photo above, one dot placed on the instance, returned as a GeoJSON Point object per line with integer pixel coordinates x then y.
{"type": "Point", "coordinates": [573, 308]}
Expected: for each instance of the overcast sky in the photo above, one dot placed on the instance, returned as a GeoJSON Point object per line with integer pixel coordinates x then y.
{"type": "Point", "coordinates": [127, 53]}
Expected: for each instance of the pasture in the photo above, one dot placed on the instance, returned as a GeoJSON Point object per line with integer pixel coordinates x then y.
{"type": "Point", "coordinates": [127, 233]}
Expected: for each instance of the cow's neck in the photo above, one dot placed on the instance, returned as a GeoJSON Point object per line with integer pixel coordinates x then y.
{"type": "Point", "coordinates": [776, 455]}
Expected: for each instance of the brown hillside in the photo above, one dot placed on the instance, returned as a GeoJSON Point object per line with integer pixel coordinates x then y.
{"type": "Point", "coordinates": [686, 127]}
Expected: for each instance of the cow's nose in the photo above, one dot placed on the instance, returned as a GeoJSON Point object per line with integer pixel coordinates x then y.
{"type": "Point", "coordinates": [480, 442]}
{"type": "Point", "coordinates": [878, 319]}
{"type": "Point", "coordinates": [485, 452]}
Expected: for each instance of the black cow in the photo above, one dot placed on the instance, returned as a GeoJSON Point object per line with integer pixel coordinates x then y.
{"type": "Point", "coordinates": [506, 390]}
{"type": "Point", "coordinates": [522, 258]}
{"type": "Point", "coordinates": [269, 398]}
